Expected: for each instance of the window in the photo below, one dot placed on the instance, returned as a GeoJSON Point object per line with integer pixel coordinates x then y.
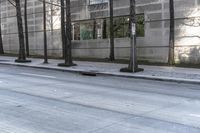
{"type": "Point", "coordinates": [92, 2]}
{"type": "Point", "coordinates": [140, 25]}
{"type": "Point", "coordinates": [100, 28]}
{"type": "Point", "coordinates": [121, 26]}
{"type": "Point", "coordinates": [76, 31]}
{"type": "Point", "coordinates": [86, 30]}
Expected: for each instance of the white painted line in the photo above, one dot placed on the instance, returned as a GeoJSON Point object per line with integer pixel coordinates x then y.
{"type": "Point", "coordinates": [195, 115]}
{"type": "Point", "coordinates": [37, 75]}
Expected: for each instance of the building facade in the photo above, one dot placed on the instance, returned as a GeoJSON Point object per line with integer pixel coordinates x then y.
{"type": "Point", "coordinates": [90, 29]}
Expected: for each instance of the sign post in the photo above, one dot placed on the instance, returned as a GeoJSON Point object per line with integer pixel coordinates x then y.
{"type": "Point", "coordinates": [133, 66]}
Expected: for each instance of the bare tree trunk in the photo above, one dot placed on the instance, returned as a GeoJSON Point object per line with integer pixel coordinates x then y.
{"type": "Point", "coordinates": [68, 44]}
{"type": "Point", "coordinates": [1, 41]}
{"type": "Point", "coordinates": [112, 51]}
{"type": "Point", "coordinates": [171, 33]}
{"type": "Point", "coordinates": [63, 26]}
{"type": "Point", "coordinates": [22, 55]}
{"type": "Point", "coordinates": [45, 34]}
{"type": "Point", "coordinates": [68, 52]}
{"type": "Point", "coordinates": [26, 28]}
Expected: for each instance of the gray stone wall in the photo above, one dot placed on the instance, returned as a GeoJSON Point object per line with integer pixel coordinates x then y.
{"type": "Point", "coordinates": [153, 47]}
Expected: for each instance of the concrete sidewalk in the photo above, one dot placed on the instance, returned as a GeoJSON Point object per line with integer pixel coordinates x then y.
{"type": "Point", "coordinates": [163, 73]}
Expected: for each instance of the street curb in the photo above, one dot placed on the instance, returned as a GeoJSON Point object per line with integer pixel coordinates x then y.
{"type": "Point", "coordinates": [157, 78]}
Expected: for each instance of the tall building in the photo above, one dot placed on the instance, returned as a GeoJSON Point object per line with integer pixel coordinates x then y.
{"type": "Point", "coordinates": [90, 29]}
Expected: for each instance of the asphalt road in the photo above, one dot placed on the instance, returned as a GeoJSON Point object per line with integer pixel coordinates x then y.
{"type": "Point", "coordinates": [44, 101]}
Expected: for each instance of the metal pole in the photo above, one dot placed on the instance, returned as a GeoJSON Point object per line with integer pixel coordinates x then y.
{"type": "Point", "coordinates": [133, 60]}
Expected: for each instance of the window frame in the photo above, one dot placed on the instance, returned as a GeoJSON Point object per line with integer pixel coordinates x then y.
{"type": "Point", "coordinates": [92, 2]}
